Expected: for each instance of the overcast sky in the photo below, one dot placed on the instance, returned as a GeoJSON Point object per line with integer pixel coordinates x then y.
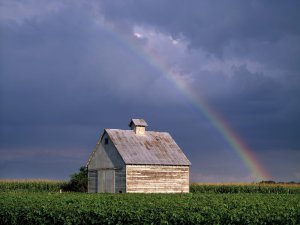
{"type": "Point", "coordinates": [69, 69]}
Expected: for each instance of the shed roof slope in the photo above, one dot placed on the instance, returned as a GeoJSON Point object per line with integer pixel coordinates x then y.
{"type": "Point", "coordinates": [138, 122]}
{"type": "Point", "coordinates": [156, 148]}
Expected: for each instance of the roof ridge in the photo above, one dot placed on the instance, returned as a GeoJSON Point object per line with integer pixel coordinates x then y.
{"type": "Point", "coordinates": [158, 148]}
{"type": "Point", "coordinates": [152, 131]}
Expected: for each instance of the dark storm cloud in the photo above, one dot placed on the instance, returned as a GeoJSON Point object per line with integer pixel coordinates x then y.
{"type": "Point", "coordinates": [65, 77]}
{"type": "Point", "coordinates": [255, 102]}
{"type": "Point", "coordinates": [262, 32]}
{"type": "Point", "coordinates": [63, 66]}
{"type": "Point", "coordinates": [68, 70]}
{"type": "Point", "coordinates": [213, 25]}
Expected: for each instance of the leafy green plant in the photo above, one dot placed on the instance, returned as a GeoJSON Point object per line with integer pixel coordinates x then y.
{"type": "Point", "coordinates": [78, 181]}
{"type": "Point", "coordinates": [200, 208]}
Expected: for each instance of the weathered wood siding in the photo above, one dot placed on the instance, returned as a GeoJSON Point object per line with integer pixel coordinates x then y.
{"type": "Point", "coordinates": [157, 179]}
{"type": "Point", "coordinates": [92, 181]}
{"type": "Point", "coordinates": [120, 180]}
{"type": "Point", "coordinates": [106, 156]}
{"type": "Point", "coordinates": [106, 181]}
{"type": "Point", "coordinates": [109, 167]}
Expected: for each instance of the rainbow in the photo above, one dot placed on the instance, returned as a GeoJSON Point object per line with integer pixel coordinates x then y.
{"type": "Point", "coordinates": [258, 172]}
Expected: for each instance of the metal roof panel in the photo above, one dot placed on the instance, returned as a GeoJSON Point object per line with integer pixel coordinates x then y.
{"type": "Point", "coordinates": [155, 148]}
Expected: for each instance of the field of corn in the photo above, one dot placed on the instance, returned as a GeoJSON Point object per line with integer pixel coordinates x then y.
{"type": "Point", "coordinates": [207, 204]}
{"type": "Point", "coordinates": [245, 188]}
{"type": "Point", "coordinates": [218, 188]}
{"type": "Point", "coordinates": [34, 185]}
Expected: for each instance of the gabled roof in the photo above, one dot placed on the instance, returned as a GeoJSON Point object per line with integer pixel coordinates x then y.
{"type": "Point", "coordinates": [138, 122]}
{"type": "Point", "coordinates": [152, 148]}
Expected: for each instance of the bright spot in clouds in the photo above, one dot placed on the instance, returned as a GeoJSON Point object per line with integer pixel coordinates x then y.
{"type": "Point", "coordinates": [138, 35]}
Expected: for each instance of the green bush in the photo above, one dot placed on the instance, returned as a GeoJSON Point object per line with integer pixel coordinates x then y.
{"type": "Point", "coordinates": [78, 181]}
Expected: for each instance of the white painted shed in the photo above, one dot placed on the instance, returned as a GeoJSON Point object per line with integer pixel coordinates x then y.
{"type": "Point", "coordinates": [137, 161]}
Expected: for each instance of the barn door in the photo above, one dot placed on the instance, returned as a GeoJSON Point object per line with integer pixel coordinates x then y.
{"type": "Point", "coordinates": [109, 181]}
{"type": "Point", "coordinates": [106, 181]}
{"type": "Point", "coordinates": [92, 181]}
{"type": "Point", "coordinates": [101, 181]}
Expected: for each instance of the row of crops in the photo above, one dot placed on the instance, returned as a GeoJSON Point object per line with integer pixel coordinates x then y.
{"type": "Point", "coordinates": [245, 188]}
{"type": "Point", "coordinates": [34, 185]}
{"type": "Point", "coordinates": [55, 186]}
{"type": "Point", "coordinates": [200, 208]}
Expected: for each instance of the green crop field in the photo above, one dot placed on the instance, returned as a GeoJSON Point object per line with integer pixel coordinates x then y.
{"type": "Point", "coordinates": [32, 185]}
{"type": "Point", "coordinates": [245, 188]}
{"type": "Point", "coordinates": [207, 204]}
{"type": "Point", "coordinates": [82, 208]}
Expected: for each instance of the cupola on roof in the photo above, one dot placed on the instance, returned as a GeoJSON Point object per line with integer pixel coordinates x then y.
{"type": "Point", "coordinates": [138, 123]}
